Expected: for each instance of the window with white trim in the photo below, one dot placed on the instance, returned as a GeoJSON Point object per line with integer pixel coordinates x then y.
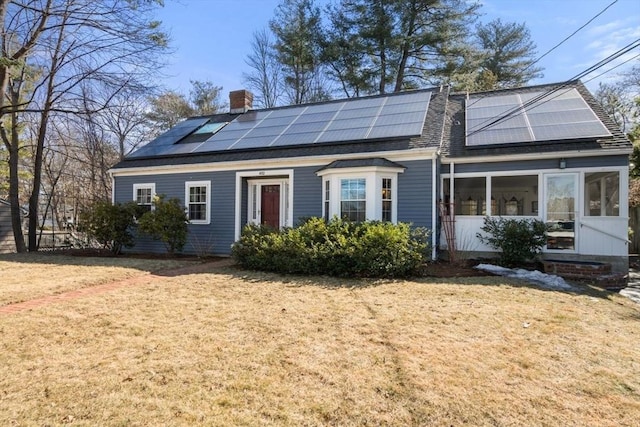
{"type": "Point", "coordinates": [387, 200]}
{"type": "Point", "coordinates": [327, 199]}
{"type": "Point", "coordinates": [197, 195]}
{"type": "Point", "coordinates": [143, 195]}
{"type": "Point", "coordinates": [353, 199]}
{"type": "Point", "coordinates": [360, 193]}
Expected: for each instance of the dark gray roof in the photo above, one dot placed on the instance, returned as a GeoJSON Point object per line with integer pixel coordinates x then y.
{"type": "Point", "coordinates": [356, 163]}
{"type": "Point", "coordinates": [453, 142]}
{"type": "Point", "coordinates": [431, 131]}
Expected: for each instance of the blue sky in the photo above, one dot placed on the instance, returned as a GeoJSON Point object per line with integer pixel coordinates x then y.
{"type": "Point", "coordinates": [211, 38]}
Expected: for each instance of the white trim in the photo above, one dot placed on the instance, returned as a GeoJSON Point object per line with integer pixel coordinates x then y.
{"type": "Point", "coordinates": [434, 201]}
{"type": "Point", "coordinates": [577, 210]}
{"type": "Point", "coordinates": [247, 165]}
{"type": "Point", "coordinates": [286, 204]}
{"type": "Point", "coordinates": [373, 176]}
{"type": "Point", "coordinates": [285, 217]}
{"type": "Point", "coordinates": [207, 185]}
{"type": "Point", "coordinates": [113, 189]}
{"type": "Point", "coordinates": [537, 156]}
{"type": "Point", "coordinates": [144, 186]}
{"type": "Point", "coordinates": [536, 171]}
{"type": "Point", "coordinates": [361, 169]}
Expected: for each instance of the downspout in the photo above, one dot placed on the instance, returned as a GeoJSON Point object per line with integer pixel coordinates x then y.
{"type": "Point", "coordinates": [113, 188]}
{"type": "Point", "coordinates": [434, 201]}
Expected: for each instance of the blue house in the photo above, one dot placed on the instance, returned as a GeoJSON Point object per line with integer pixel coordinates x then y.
{"type": "Point", "coordinates": [547, 152]}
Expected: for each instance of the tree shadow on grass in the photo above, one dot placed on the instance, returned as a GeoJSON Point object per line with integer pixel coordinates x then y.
{"type": "Point", "coordinates": [150, 264]}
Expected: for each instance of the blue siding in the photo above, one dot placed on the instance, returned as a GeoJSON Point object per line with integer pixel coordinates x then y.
{"type": "Point", "coordinates": [215, 237]}
{"type": "Point", "coordinates": [414, 202]}
{"type": "Point", "coordinates": [307, 194]}
{"type": "Point", "coordinates": [414, 193]}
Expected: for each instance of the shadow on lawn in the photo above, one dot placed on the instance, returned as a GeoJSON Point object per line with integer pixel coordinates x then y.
{"type": "Point", "coordinates": [194, 265]}
{"type": "Point", "coordinates": [157, 264]}
{"type": "Point", "coordinates": [251, 276]}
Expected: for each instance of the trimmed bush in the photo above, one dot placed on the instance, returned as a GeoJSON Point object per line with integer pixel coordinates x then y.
{"type": "Point", "coordinates": [167, 222]}
{"type": "Point", "coordinates": [517, 240]}
{"type": "Point", "coordinates": [110, 225]}
{"type": "Point", "coordinates": [337, 248]}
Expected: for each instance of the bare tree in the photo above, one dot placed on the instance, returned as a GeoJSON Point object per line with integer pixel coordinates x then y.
{"type": "Point", "coordinates": [264, 80]}
{"type": "Point", "coordinates": [70, 43]}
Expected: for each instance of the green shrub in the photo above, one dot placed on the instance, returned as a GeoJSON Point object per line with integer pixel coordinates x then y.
{"type": "Point", "coordinates": [111, 225]}
{"type": "Point", "coordinates": [167, 222]}
{"type": "Point", "coordinates": [517, 240]}
{"type": "Point", "coordinates": [337, 248]}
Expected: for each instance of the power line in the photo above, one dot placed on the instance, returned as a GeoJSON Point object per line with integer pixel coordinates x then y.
{"type": "Point", "coordinates": [572, 34]}
{"type": "Point", "coordinates": [522, 108]}
{"type": "Point", "coordinates": [562, 42]}
{"type": "Point", "coordinates": [612, 68]}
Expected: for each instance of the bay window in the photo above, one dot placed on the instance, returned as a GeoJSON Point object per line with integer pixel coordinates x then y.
{"type": "Point", "coordinates": [360, 193]}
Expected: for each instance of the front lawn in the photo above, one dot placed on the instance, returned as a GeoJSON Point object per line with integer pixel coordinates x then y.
{"type": "Point", "coordinates": [29, 276]}
{"type": "Point", "coordinates": [230, 347]}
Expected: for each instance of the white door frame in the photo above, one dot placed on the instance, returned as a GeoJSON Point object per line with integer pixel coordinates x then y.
{"type": "Point", "coordinates": [577, 203]}
{"type": "Point", "coordinates": [254, 202]}
{"type": "Point", "coordinates": [265, 177]}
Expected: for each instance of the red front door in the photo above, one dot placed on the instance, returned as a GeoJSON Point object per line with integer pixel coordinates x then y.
{"type": "Point", "coordinates": [270, 205]}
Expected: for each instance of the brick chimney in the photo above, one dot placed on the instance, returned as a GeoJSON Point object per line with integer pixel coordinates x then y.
{"type": "Point", "coordinates": [240, 101]}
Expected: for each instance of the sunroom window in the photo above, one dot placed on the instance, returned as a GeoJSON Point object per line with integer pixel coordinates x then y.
{"type": "Point", "coordinates": [469, 195]}
{"type": "Point", "coordinates": [514, 195]}
{"type": "Point", "coordinates": [602, 194]}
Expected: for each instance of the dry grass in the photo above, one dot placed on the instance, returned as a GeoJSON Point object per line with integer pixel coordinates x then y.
{"type": "Point", "coordinates": [29, 276]}
{"type": "Point", "coordinates": [237, 348]}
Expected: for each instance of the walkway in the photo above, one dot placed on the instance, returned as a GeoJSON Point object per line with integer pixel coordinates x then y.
{"type": "Point", "coordinates": [107, 287]}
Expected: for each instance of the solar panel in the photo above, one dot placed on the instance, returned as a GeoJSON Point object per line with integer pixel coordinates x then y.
{"type": "Point", "coordinates": [556, 116]}
{"type": "Point", "coordinates": [161, 143]}
{"type": "Point", "coordinates": [357, 119]}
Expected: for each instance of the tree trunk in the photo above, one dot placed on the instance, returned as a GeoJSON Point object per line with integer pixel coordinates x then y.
{"type": "Point", "coordinates": [14, 200]}
{"type": "Point", "coordinates": [34, 198]}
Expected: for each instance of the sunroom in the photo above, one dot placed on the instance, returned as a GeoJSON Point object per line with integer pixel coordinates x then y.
{"type": "Point", "coordinates": [585, 209]}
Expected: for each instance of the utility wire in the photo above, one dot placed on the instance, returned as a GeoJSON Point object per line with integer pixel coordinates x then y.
{"type": "Point", "coordinates": [561, 43]}
{"type": "Point", "coordinates": [612, 68]}
{"type": "Point", "coordinates": [522, 108]}
{"type": "Point", "coordinates": [572, 34]}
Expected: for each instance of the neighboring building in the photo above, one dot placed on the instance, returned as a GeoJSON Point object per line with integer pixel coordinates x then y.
{"type": "Point", "coordinates": [7, 243]}
{"type": "Point", "coordinates": [395, 157]}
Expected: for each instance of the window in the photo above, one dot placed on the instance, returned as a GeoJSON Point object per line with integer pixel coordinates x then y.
{"type": "Point", "coordinates": [327, 198]}
{"type": "Point", "coordinates": [602, 194]}
{"type": "Point", "coordinates": [143, 195]}
{"type": "Point", "coordinates": [386, 199]}
{"type": "Point", "coordinates": [353, 199]}
{"type": "Point", "coordinates": [197, 201]}
{"type": "Point", "coordinates": [514, 195]}
{"type": "Point", "coordinates": [360, 193]}
{"type": "Point", "coordinates": [469, 197]}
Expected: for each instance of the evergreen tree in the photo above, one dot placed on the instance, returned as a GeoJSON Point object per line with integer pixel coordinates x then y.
{"type": "Point", "coordinates": [297, 30]}
{"type": "Point", "coordinates": [394, 45]}
{"type": "Point", "coordinates": [508, 53]}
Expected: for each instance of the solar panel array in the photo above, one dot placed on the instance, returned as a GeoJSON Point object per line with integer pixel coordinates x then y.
{"type": "Point", "coordinates": [557, 116]}
{"type": "Point", "coordinates": [164, 144]}
{"type": "Point", "coordinates": [358, 119]}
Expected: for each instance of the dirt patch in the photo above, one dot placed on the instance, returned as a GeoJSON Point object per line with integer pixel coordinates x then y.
{"type": "Point", "coordinates": [446, 269]}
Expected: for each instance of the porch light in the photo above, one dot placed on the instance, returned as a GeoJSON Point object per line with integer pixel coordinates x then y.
{"type": "Point", "coordinates": [563, 163]}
